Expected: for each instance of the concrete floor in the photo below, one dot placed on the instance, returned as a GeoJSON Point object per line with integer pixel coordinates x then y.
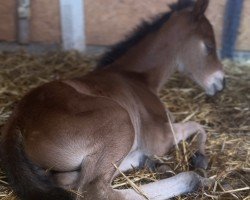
{"type": "Point", "coordinates": [37, 48]}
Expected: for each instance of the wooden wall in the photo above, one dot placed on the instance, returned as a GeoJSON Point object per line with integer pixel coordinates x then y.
{"type": "Point", "coordinates": [107, 21]}
{"type": "Point", "coordinates": [108, 24]}
{"type": "Point", "coordinates": [7, 20]}
{"type": "Point", "coordinates": [45, 21]}
{"type": "Point", "coordinates": [244, 32]}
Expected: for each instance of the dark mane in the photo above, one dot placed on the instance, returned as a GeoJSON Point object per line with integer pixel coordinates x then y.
{"type": "Point", "coordinates": [140, 32]}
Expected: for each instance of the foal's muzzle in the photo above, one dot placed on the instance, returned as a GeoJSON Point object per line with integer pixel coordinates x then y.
{"type": "Point", "coordinates": [216, 83]}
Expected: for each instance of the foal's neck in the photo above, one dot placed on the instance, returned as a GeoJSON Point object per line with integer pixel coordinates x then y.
{"type": "Point", "coordinates": [154, 58]}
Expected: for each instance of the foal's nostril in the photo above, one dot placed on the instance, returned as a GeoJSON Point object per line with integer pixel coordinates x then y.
{"type": "Point", "coordinates": [214, 88]}
{"type": "Point", "coordinates": [224, 82]}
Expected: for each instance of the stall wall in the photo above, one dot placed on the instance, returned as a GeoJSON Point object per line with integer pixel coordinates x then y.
{"type": "Point", "coordinates": [45, 21]}
{"type": "Point", "coordinates": [244, 32]}
{"type": "Point", "coordinates": [7, 20]}
{"type": "Point", "coordinates": [107, 21]}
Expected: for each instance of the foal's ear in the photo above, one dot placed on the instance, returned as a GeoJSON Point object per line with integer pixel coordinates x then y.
{"type": "Point", "coordinates": [199, 8]}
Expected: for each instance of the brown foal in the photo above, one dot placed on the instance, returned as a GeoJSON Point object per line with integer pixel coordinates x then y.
{"type": "Point", "coordinates": [67, 135]}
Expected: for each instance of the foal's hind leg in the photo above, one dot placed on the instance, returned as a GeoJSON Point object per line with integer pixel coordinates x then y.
{"type": "Point", "coordinates": [182, 131]}
{"type": "Point", "coordinates": [179, 184]}
{"type": "Point", "coordinates": [182, 183]}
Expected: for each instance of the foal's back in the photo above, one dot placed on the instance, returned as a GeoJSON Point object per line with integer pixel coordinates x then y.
{"type": "Point", "coordinates": [63, 128]}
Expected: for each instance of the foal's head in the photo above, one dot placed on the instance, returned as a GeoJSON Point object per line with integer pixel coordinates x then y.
{"type": "Point", "coordinates": [197, 48]}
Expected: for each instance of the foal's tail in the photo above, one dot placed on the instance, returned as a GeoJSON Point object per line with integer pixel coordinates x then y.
{"type": "Point", "coordinates": [28, 181]}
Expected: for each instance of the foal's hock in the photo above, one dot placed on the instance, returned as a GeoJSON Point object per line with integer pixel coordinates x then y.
{"type": "Point", "coordinates": [66, 135]}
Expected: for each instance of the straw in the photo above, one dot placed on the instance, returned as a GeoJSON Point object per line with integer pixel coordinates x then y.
{"type": "Point", "coordinates": [226, 119]}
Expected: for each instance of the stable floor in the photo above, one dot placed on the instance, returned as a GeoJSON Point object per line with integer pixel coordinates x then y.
{"type": "Point", "coordinates": [225, 117]}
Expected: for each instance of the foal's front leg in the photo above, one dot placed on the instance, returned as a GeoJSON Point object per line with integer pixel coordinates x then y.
{"type": "Point", "coordinates": [182, 131]}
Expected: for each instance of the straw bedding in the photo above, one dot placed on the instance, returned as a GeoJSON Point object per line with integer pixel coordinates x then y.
{"type": "Point", "coordinates": [225, 117]}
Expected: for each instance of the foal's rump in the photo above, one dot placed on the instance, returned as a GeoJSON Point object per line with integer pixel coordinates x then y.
{"type": "Point", "coordinates": [56, 130]}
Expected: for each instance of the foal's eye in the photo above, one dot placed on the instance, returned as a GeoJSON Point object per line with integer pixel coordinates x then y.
{"type": "Point", "coordinates": [209, 48]}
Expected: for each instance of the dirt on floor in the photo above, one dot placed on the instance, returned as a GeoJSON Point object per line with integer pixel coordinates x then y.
{"type": "Point", "coordinates": [225, 117]}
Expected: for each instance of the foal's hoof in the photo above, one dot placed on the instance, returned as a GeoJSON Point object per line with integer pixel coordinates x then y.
{"type": "Point", "coordinates": [199, 161]}
{"type": "Point", "coordinates": [207, 182]}
{"type": "Point", "coordinates": [151, 165]}
{"type": "Point", "coordinates": [148, 163]}
{"type": "Point", "coordinates": [201, 172]}
{"type": "Point", "coordinates": [164, 169]}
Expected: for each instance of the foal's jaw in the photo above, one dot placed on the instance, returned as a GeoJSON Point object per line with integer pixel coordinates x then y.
{"type": "Point", "coordinates": [214, 83]}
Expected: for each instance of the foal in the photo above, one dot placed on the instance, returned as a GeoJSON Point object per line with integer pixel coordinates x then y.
{"type": "Point", "coordinates": [69, 134]}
